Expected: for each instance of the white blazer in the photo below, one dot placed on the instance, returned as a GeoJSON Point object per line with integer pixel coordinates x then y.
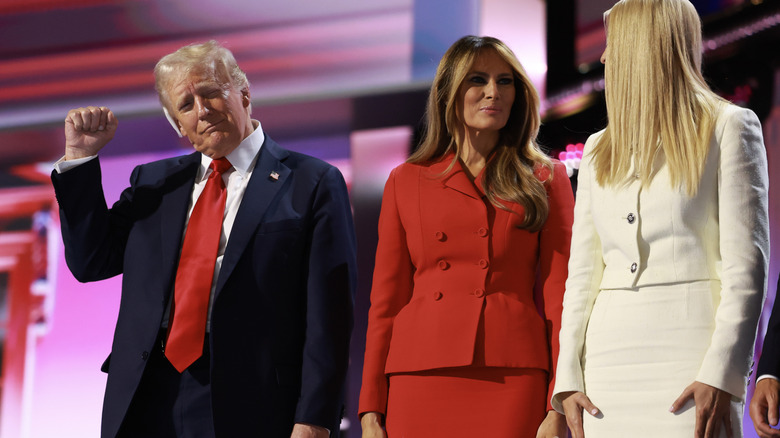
{"type": "Point", "coordinates": [720, 234]}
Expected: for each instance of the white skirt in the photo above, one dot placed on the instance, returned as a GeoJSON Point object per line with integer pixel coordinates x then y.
{"type": "Point", "coordinates": [643, 347]}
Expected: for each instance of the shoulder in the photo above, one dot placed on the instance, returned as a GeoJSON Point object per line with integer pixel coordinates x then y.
{"type": "Point", "coordinates": [306, 163]}
{"type": "Point", "coordinates": [734, 117]}
{"type": "Point", "coordinates": [592, 140]}
{"type": "Point", "coordinates": [304, 167]}
{"type": "Point", "coordinates": [408, 170]}
{"type": "Point", "coordinates": [172, 162]}
{"type": "Point", "coordinates": [405, 174]}
{"type": "Point", "coordinates": [183, 166]}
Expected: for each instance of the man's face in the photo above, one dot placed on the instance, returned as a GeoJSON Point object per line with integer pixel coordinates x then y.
{"type": "Point", "coordinates": [213, 116]}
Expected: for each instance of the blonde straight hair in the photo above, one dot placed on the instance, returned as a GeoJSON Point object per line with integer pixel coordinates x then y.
{"type": "Point", "coordinates": [509, 174]}
{"type": "Point", "coordinates": [657, 98]}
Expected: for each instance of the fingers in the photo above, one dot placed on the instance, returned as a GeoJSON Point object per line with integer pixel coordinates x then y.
{"type": "Point", "coordinates": [772, 409]}
{"type": "Point", "coordinates": [686, 395]}
{"type": "Point", "coordinates": [573, 405]}
{"type": "Point", "coordinates": [574, 421]}
{"type": "Point", "coordinates": [767, 432]}
{"type": "Point", "coordinates": [589, 407]}
{"type": "Point", "coordinates": [91, 118]}
{"type": "Point", "coordinates": [759, 407]}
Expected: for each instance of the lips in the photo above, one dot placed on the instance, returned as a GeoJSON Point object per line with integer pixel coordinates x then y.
{"type": "Point", "coordinates": [490, 109]}
{"type": "Point", "coordinates": [211, 128]}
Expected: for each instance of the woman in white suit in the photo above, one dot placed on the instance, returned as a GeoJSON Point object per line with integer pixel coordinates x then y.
{"type": "Point", "coordinates": [670, 243]}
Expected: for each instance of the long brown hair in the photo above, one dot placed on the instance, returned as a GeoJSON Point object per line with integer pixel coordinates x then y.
{"type": "Point", "coordinates": [509, 173]}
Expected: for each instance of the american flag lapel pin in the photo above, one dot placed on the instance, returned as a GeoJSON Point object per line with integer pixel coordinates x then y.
{"type": "Point", "coordinates": [274, 176]}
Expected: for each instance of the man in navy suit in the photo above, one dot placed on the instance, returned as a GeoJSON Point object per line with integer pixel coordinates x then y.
{"type": "Point", "coordinates": [271, 347]}
{"type": "Point", "coordinates": [765, 404]}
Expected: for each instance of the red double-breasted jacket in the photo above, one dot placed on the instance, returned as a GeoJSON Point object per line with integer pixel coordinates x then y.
{"type": "Point", "coordinates": [457, 283]}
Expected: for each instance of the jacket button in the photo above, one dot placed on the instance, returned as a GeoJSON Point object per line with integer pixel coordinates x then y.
{"type": "Point", "coordinates": [145, 355]}
{"type": "Point", "coordinates": [443, 265]}
{"type": "Point", "coordinates": [483, 264]}
{"type": "Point", "coordinates": [633, 267]}
{"type": "Point", "coordinates": [440, 236]}
{"type": "Point", "coordinates": [479, 293]}
{"type": "Point", "coordinates": [437, 295]}
{"type": "Point", "coordinates": [631, 218]}
{"type": "Point", "coordinates": [483, 232]}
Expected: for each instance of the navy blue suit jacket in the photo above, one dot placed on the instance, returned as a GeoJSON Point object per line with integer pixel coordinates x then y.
{"type": "Point", "coordinates": [282, 314]}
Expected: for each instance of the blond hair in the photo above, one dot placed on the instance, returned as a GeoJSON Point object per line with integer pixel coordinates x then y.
{"type": "Point", "coordinates": [209, 58]}
{"type": "Point", "coordinates": [657, 99]}
{"type": "Point", "coordinates": [509, 174]}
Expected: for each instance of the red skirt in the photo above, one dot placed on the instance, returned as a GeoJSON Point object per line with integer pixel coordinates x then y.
{"type": "Point", "coordinates": [467, 402]}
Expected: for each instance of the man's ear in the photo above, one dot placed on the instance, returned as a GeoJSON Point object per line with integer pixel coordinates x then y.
{"type": "Point", "coordinates": [245, 98]}
{"type": "Point", "coordinates": [174, 124]}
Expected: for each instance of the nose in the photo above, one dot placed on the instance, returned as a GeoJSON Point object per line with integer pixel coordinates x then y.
{"type": "Point", "coordinates": [202, 107]}
{"type": "Point", "coordinates": [491, 90]}
{"type": "Point", "coordinates": [603, 58]}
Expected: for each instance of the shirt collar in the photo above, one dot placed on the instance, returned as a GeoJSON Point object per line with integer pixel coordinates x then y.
{"type": "Point", "coordinates": [242, 157]}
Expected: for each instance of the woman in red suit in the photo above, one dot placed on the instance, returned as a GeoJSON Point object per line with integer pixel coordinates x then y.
{"type": "Point", "coordinates": [471, 262]}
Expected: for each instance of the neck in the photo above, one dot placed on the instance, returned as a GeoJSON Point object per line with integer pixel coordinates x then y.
{"type": "Point", "coordinates": [476, 149]}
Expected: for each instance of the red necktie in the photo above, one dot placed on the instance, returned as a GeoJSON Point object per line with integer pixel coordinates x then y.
{"type": "Point", "coordinates": [196, 271]}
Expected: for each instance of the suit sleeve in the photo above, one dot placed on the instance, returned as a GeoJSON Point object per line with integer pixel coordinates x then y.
{"type": "Point", "coordinates": [331, 282]}
{"type": "Point", "coordinates": [330, 286]}
{"type": "Point", "coordinates": [94, 236]}
{"type": "Point", "coordinates": [391, 290]}
{"type": "Point", "coordinates": [586, 267]}
{"type": "Point", "coordinates": [744, 249]}
{"type": "Point", "coordinates": [554, 245]}
{"type": "Point", "coordinates": [770, 353]}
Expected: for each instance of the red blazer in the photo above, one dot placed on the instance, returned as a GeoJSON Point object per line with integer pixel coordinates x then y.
{"type": "Point", "coordinates": [447, 258]}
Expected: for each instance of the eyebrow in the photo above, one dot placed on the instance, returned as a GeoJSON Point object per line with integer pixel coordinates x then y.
{"type": "Point", "coordinates": [486, 74]}
{"type": "Point", "coordinates": [199, 87]}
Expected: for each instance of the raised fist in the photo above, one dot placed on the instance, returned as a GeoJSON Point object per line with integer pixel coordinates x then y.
{"type": "Point", "coordinates": [87, 130]}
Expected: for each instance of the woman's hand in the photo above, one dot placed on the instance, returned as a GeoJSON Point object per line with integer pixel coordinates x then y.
{"type": "Point", "coordinates": [371, 423]}
{"type": "Point", "coordinates": [573, 404]}
{"type": "Point", "coordinates": [553, 426]}
{"type": "Point", "coordinates": [712, 409]}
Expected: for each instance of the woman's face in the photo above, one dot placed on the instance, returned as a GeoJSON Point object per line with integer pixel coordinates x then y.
{"type": "Point", "coordinates": [487, 93]}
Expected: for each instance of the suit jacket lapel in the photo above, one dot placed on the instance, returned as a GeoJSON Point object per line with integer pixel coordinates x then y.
{"type": "Point", "coordinates": [174, 212]}
{"type": "Point", "coordinates": [261, 190]}
{"type": "Point", "coordinates": [456, 178]}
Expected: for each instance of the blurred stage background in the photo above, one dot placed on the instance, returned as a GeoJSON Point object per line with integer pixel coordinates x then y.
{"type": "Point", "coordinates": [343, 80]}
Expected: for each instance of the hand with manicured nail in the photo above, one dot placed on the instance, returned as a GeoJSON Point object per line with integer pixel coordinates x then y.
{"type": "Point", "coordinates": [574, 402]}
